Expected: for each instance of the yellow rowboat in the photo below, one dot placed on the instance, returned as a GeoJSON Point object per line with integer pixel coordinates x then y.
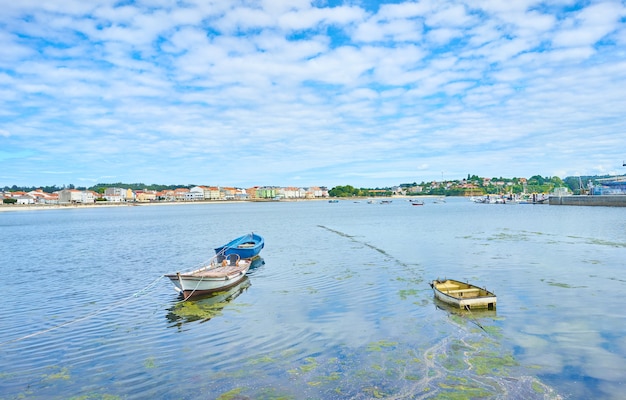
{"type": "Point", "coordinates": [463, 295]}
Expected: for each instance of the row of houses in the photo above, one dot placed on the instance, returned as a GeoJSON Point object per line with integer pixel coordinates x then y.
{"type": "Point", "coordinates": [196, 193]}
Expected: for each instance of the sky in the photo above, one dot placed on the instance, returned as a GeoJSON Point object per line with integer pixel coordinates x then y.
{"type": "Point", "coordinates": [309, 93]}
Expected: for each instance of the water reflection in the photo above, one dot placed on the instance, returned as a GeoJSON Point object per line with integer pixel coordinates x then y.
{"type": "Point", "coordinates": [203, 308]}
{"type": "Point", "coordinates": [257, 262]}
{"type": "Point", "coordinates": [473, 313]}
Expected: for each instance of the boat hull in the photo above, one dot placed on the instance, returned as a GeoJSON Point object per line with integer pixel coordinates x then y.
{"type": "Point", "coordinates": [210, 279]}
{"type": "Point", "coordinates": [246, 246]}
{"type": "Point", "coordinates": [463, 295]}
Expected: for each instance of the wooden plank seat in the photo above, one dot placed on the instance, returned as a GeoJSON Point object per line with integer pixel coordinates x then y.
{"type": "Point", "coordinates": [468, 290]}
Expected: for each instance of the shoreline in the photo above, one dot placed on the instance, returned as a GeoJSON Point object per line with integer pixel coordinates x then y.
{"type": "Point", "coordinates": [41, 207]}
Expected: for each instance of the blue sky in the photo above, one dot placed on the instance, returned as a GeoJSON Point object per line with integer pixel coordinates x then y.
{"type": "Point", "coordinates": [300, 93]}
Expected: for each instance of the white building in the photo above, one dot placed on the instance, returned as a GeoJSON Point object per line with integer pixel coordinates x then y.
{"type": "Point", "coordinates": [73, 196]}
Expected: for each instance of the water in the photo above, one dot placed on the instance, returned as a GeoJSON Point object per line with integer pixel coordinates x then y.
{"type": "Point", "coordinates": [339, 308]}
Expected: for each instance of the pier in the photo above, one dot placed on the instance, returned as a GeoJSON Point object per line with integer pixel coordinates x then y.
{"type": "Point", "coordinates": [604, 200]}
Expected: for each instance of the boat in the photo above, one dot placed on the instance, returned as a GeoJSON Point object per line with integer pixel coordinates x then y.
{"type": "Point", "coordinates": [463, 295]}
{"type": "Point", "coordinates": [246, 246]}
{"type": "Point", "coordinates": [417, 203]}
{"type": "Point", "coordinates": [333, 201]}
{"type": "Point", "coordinates": [220, 273]}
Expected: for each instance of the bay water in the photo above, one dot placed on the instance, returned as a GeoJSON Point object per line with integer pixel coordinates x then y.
{"type": "Point", "coordinates": [338, 307]}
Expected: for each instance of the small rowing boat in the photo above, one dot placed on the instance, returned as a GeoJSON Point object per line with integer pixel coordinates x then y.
{"type": "Point", "coordinates": [463, 295]}
{"type": "Point", "coordinates": [219, 274]}
{"type": "Point", "coordinates": [246, 246]}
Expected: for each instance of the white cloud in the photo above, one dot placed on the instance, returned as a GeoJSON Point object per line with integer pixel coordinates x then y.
{"type": "Point", "coordinates": [307, 85]}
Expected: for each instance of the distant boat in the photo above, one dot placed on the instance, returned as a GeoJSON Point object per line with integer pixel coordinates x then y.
{"type": "Point", "coordinates": [417, 203]}
{"type": "Point", "coordinates": [463, 295]}
{"type": "Point", "coordinates": [333, 201]}
{"type": "Point", "coordinates": [222, 272]}
{"type": "Point", "coordinates": [246, 246]}
{"type": "Point", "coordinates": [386, 201]}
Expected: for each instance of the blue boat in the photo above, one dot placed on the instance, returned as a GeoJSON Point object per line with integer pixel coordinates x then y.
{"type": "Point", "coordinates": [246, 246]}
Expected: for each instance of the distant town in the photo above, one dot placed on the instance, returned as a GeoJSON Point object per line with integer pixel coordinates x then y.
{"type": "Point", "coordinates": [470, 186]}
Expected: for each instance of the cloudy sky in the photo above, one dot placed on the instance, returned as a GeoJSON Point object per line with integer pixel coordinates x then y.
{"type": "Point", "coordinates": [299, 93]}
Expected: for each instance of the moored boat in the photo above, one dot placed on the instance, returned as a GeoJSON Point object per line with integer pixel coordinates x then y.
{"type": "Point", "coordinates": [246, 246]}
{"type": "Point", "coordinates": [220, 273]}
{"type": "Point", "coordinates": [463, 295]}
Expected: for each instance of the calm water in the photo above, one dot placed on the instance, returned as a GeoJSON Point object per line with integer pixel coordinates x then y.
{"type": "Point", "coordinates": [339, 308]}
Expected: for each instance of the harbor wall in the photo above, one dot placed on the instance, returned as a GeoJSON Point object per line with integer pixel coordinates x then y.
{"type": "Point", "coordinates": [606, 201]}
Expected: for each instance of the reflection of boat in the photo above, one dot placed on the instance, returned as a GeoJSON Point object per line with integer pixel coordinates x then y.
{"type": "Point", "coordinates": [206, 307]}
{"type": "Point", "coordinates": [473, 313]}
{"type": "Point", "coordinates": [257, 262]}
{"type": "Point", "coordinates": [246, 246]}
{"type": "Point", "coordinates": [219, 274]}
{"type": "Point", "coordinates": [463, 295]}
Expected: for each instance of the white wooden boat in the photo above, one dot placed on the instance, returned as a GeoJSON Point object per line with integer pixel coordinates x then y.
{"type": "Point", "coordinates": [463, 295]}
{"type": "Point", "coordinates": [220, 273]}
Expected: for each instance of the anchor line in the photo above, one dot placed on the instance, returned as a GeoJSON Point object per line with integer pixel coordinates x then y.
{"type": "Point", "coordinates": [124, 301]}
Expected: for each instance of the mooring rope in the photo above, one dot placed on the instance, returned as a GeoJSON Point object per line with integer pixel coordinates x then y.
{"type": "Point", "coordinates": [128, 300]}
{"type": "Point", "coordinates": [192, 292]}
{"type": "Point", "coordinates": [473, 319]}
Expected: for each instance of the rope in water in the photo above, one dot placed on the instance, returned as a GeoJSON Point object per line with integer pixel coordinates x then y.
{"type": "Point", "coordinates": [473, 319]}
{"type": "Point", "coordinates": [118, 303]}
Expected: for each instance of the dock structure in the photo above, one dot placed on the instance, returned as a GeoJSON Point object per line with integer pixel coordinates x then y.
{"type": "Point", "coordinates": [603, 201]}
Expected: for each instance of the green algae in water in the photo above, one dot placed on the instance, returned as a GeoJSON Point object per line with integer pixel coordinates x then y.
{"type": "Point", "coordinates": [149, 363]}
{"type": "Point", "coordinates": [537, 388]}
{"type": "Point", "coordinates": [378, 346]}
{"type": "Point", "coordinates": [231, 394]}
{"type": "Point", "coordinates": [375, 392]}
{"type": "Point", "coordinates": [310, 365]}
{"type": "Point", "coordinates": [261, 360]}
{"type": "Point", "coordinates": [196, 311]}
{"type": "Point", "coordinates": [461, 392]}
{"type": "Point", "coordinates": [404, 294]}
{"type": "Point", "coordinates": [62, 374]}
{"type": "Point", "coordinates": [271, 394]}
{"type": "Point", "coordinates": [492, 363]}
